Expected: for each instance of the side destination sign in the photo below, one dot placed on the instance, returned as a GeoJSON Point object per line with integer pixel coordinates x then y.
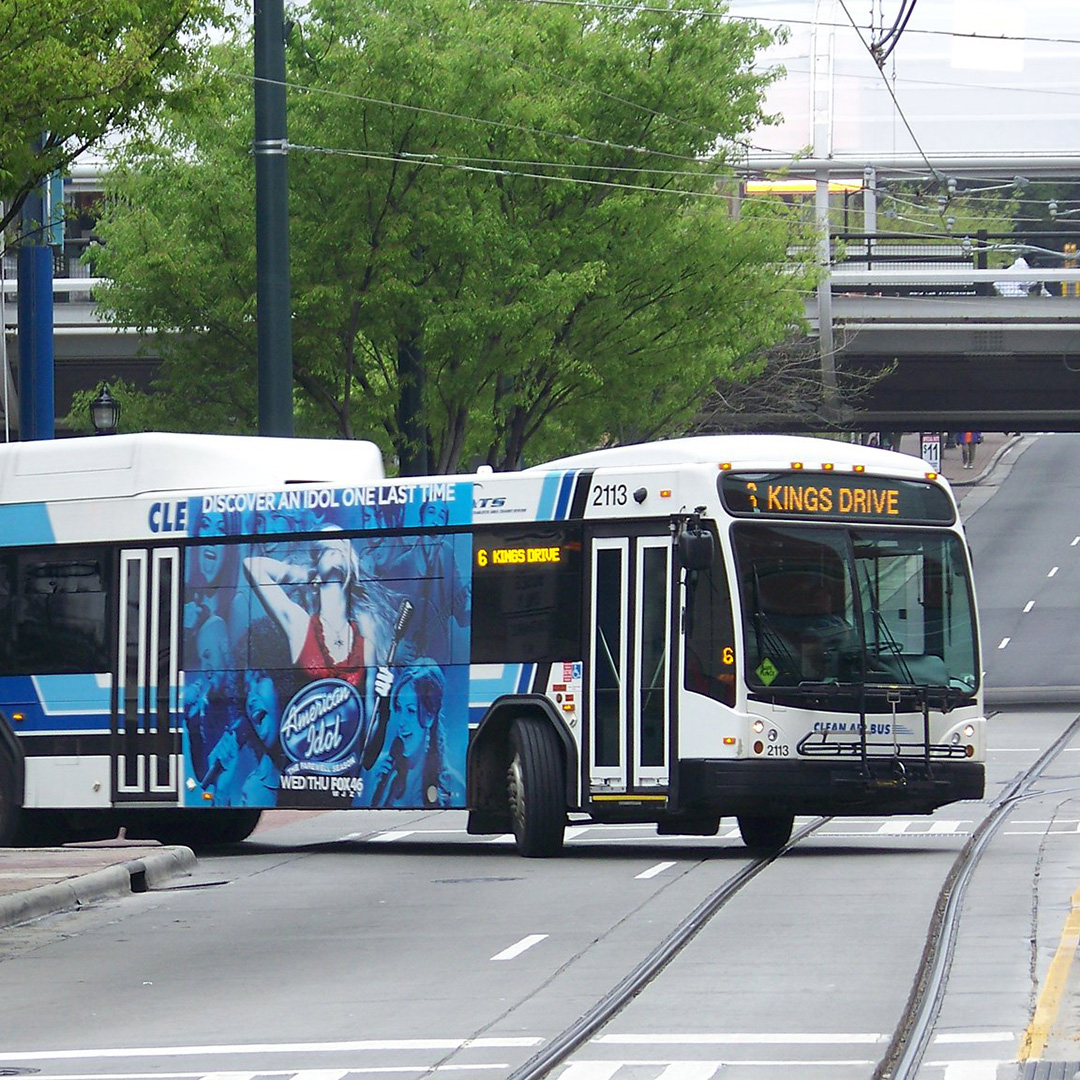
{"type": "Point", "coordinates": [830, 496]}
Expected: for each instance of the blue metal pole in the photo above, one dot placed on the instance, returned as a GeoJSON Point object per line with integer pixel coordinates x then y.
{"type": "Point", "coordinates": [37, 407]}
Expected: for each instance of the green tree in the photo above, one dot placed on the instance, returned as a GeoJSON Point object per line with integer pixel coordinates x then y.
{"type": "Point", "coordinates": [71, 73]}
{"type": "Point", "coordinates": [507, 228]}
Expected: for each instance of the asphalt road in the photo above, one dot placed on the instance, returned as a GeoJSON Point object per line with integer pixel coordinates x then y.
{"type": "Point", "coordinates": [368, 943]}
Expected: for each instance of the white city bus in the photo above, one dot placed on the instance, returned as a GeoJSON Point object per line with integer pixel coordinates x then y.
{"type": "Point", "coordinates": [196, 628]}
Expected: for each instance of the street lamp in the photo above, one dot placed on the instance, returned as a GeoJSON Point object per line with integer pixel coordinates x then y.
{"type": "Point", "coordinates": [105, 412]}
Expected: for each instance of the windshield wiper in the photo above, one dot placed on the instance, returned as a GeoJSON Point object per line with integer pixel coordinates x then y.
{"type": "Point", "coordinates": [886, 646]}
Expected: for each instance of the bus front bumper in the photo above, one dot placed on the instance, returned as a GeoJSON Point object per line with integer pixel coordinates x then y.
{"type": "Point", "coordinates": [875, 785]}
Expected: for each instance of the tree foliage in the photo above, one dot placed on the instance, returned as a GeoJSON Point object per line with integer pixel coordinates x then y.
{"type": "Point", "coordinates": [508, 230]}
{"type": "Point", "coordinates": [71, 73]}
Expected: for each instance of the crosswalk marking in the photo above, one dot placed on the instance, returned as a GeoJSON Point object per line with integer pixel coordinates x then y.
{"type": "Point", "coordinates": [969, 1070]}
{"type": "Point", "coordinates": [894, 826]}
{"type": "Point", "coordinates": [941, 828]}
{"type": "Point", "coordinates": [591, 1070]}
{"type": "Point", "coordinates": [672, 1070]}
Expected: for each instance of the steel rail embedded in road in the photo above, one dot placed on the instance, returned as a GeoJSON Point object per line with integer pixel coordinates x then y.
{"type": "Point", "coordinates": [559, 1048]}
{"type": "Point", "coordinates": [909, 1043]}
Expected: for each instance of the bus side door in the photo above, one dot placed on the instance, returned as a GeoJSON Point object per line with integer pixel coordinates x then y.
{"type": "Point", "coordinates": [629, 665]}
{"type": "Point", "coordinates": [146, 761]}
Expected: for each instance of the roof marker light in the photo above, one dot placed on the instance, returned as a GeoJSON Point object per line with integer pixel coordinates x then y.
{"type": "Point", "coordinates": [858, 468]}
{"type": "Point", "coordinates": [931, 476]}
{"type": "Point", "coordinates": [665, 493]}
{"type": "Point", "coordinates": [796, 464]}
{"type": "Point", "coordinates": [827, 466]}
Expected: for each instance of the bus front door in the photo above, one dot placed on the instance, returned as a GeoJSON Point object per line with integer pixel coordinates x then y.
{"type": "Point", "coordinates": [146, 763]}
{"type": "Point", "coordinates": [629, 666]}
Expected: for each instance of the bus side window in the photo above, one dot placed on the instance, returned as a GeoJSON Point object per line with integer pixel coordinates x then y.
{"type": "Point", "coordinates": [710, 634]}
{"type": "Point", "coordinates": [59, 620]}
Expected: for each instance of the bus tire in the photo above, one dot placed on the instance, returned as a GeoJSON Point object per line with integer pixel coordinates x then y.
{"type": "Point", "coordinates": [536, 788]}
{"type": "Point", "coordinates": [10, 807]}
{"type": "Point", "coordinates": [765, 835]}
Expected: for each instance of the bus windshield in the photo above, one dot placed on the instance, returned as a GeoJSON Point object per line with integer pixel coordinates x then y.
{"type": "Point", "coordinates": [843, 606]}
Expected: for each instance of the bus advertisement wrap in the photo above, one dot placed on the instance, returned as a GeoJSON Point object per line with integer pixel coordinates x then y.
{"type": "Point", "coordinates": [330, 671]}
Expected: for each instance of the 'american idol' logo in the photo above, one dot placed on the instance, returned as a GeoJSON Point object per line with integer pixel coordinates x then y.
{"type": "Point", "coordinates": [322, 722]}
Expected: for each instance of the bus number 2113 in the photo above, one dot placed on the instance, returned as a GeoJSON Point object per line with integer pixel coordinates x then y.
{"type": "Point", "coordinates": [609, 495]}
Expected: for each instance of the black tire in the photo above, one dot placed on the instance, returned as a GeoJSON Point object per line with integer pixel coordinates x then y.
{"type": "Point", "coordinates": [536, 788]}
{"type": "Point", "coordinates": [10, 808]}
{"type": "Point", "coordinates": [766, 835]}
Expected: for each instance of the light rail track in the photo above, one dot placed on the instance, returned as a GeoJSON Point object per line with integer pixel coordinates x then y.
{"type": "Point", "coordinates": [913, 1033]}
{"type": "Point", "coordinates": [559, 1048]}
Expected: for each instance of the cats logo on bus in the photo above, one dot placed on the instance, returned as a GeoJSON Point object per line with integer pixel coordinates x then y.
{"type": "Point", "coordinates": [322, 722]}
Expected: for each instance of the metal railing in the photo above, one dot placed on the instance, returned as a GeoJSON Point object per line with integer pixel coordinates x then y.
{"type": "Point", "coordinates": [914, 264]}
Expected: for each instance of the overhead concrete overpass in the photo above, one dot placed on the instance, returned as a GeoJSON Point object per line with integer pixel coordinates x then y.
{"type": "Point", "coordinates": [978, 361]}
{"type": "Point", "coordinates": [956, 358]}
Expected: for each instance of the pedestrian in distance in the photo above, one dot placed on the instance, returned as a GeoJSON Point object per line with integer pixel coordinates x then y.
{"type": "Point", "coordinates": [1014, 288]}
{"type": "Point", "coordinates": [968, 441]}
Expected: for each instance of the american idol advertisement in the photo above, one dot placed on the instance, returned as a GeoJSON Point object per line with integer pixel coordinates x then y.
{"type": "Point", "coordinates": [323, 669]}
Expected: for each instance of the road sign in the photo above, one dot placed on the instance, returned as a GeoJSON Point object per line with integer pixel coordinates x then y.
{"type": "Point", "coordinates": [931, 449]}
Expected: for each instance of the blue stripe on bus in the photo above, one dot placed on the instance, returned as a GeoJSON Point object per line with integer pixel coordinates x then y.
{"type": "Point", "coordinates": [35, 705]}
{"type": "Point", "coordinates": [565, 491]}
{"type": "Point", "coordinates": [25, 523]}
{"type": "Point", "coordinates": [61, 695]}
{"type": "Point", "coordinates": [512, 679]}
{"type": "Point", "coordinates": [525, 678]}
{"type": "Point", "coordinates": [483, 691]}
{"type": "Point", "coordinates": [548, 494]}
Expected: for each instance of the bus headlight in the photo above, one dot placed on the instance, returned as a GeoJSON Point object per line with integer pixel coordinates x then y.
{"type": "Point", "coordinates": [759, 726]}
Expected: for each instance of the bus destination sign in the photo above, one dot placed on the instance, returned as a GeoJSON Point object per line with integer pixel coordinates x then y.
{"type": "Point", "coordinates": [830, 496]}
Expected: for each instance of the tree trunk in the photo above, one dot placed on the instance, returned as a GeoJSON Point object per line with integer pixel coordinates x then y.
{"type": "Point", "coordinates": [413, 436]}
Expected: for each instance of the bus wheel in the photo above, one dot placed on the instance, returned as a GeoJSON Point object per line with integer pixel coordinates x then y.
{"type": "Point", "coordinates": [536, 789]}
{"type": "Point", "coordinates": [10, 810]}
{"type": "Point", "coordinates": [766, 835]}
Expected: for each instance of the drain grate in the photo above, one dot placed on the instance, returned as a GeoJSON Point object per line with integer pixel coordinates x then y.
{"type": "Point", "coordinates": [1050, 1070]}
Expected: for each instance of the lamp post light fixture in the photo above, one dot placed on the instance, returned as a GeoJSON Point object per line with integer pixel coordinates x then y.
{"type": "Point", "coordinates": [105, 412]}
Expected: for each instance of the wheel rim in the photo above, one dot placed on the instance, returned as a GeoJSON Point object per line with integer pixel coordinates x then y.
{"type": "Point", "coordinates": [515, 786]}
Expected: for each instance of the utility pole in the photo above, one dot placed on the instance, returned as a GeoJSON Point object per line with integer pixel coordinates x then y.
{"type": "Point", "coordinates": [273, 292]}
{"type": "Point", "coordinates": [37, 407]}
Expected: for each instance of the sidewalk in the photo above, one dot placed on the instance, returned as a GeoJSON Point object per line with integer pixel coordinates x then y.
{"type": "Point", "coordinates": [952, 468]}
{"type": "Point", "coordinates": [44, 881]}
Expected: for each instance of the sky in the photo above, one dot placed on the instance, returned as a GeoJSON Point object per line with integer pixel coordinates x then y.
{"type": "Point", "coordinates": [1012, 91]}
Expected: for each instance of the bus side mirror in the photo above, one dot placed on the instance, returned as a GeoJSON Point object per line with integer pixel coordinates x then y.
{"type": "Point", "coordinates": [696, 549]}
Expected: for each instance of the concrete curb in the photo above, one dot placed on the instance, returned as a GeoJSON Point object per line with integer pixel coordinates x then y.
{"type": "Point", "coordinates": [134, 876]}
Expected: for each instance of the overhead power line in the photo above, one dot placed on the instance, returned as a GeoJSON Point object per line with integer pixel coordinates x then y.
{"type": "Point", "coordinates": [881, 47]}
